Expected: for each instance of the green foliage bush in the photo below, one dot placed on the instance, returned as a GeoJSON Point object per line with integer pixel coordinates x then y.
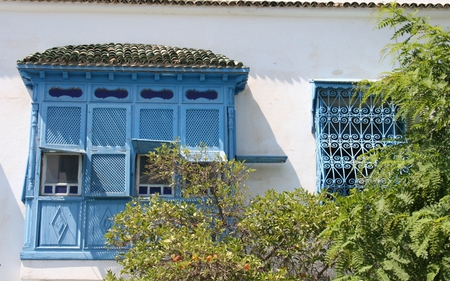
{"type": "Point", "coordinates": [212, 234]}
{"type": "Point", "coordinates": [282, 230]}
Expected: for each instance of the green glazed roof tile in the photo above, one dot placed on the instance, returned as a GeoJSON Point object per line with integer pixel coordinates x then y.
{"type": "Point", "coordinates": [117, 54]}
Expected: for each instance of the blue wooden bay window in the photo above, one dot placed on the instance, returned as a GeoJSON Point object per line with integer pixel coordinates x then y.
{"type": "Point", "coordinates": [93, 123]}
{"type": "Point", "coordinates": [345, 128]}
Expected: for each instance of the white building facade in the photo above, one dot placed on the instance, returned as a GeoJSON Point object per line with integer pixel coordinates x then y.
{"type": "Point", "coordinates": [267, 106]}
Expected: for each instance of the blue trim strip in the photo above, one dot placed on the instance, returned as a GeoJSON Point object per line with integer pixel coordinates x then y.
{"type": "Point", "coordinates": [144, 145]}
{"type": "Point", "coordinates": [262, 159]}
{"type": "Point", "coordinates": [61, 150]}
{"type": "Point", "coordinates": [28, 188]}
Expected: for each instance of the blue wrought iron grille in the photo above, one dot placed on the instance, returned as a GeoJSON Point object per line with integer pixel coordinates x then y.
{"type": "Point", "coordinates": [108, 174]}
{"type": "Point", "coordinates": [109, 126]}
{"type": "Point", "coordinates": [345, 129]}
{"type": "Point", "coordinates": [202, 126]}
{"type": "Point", "coordinates": [63, 125]}
{"type": "Point", "coordinates": [156, 124]}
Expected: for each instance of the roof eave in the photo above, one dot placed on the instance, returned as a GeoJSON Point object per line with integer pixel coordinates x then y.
{"type": "Point", "coordinates": [137, 68]}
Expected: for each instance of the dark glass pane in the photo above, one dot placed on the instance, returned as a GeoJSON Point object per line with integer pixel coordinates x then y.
{"type": "Point", "coordinates": [154, 190]}
{"type": "Point", "coordinates": [73, 189]}
{"type": "Point", "coordinates": [142, 190]}
{"type": "Point", "coordinates": [145, 177]}
{"type": "Point", "coordinates": [62, 168]}
{"type": "Point", "coordinates": [57, 92]}
{"type": "Point", "coordinates": [69, 168]}
{"type": "Point", "coordinates": [48, 189]}
{"type": "Point", "coordinates": [61, 189]}
{"type": "Point", "coordinates": [167, 190]}
{"type": "Point", "coordinates": [105, 93]}
{"type": "Point", "coordinates": [163, 94]}
{"type": "Point", "coordinates": [209, 94]}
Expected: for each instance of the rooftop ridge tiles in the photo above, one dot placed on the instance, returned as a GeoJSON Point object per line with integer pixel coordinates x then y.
{"type": "Point", "coordinates": [254, 3]}
{"type": "Point", "coordinates": [127, 54]}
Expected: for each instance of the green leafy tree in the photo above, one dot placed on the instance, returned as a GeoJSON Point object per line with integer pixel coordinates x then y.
{"type": "Point", "coordinates": [398, 228]}
{"type": "Point", "coordinates": [189, 239]}
{"type": "Point", "coordinates": [214, 232]}
{"type": "Point", "coordinates": [282, 230]}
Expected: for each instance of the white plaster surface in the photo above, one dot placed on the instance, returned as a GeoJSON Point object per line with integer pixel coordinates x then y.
{"type": "Point", "coordinates": [66, 270]}
{"type": "Point", "coordinates": [285, 49]}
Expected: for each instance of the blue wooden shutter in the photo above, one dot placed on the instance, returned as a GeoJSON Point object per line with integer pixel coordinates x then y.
{"type": "Point", "coordinates": [157, 122]}
{"type": "Point", "coordinates": [63, 126]}
{"type": "Point", "coordinates": [204, 126]}
{"type": "Point", "coordinates": [108, 171]}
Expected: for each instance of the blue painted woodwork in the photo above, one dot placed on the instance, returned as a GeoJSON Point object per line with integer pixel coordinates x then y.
{"type": "Point", "coordinates": [266, 159]}
{"type": "Point", "coordinates": [110, 92]}
{"type": "Point", "coordinates": [28, 188]}
{"type": "Point", "coordinates": [157, 122]}
{"type": "Point", "coordinates": [208, 94]}
{"type": "Point", "coordinates": [160, 93]}
{"type": "Point", "coordinates": [143, 146]}
{"type": "Point", "coordinates": [72, 92]}
{"type": "Point", "coordinates": [62, 125]}
{"type": "Point", "coordinates": [99, 216]}
{"type": "Point", "coordinates": [59, 223]}
{"type": "Point", "coordinates": [345, 128]}
{"type": "Point", "coordinates": [164, 94]}
{"type": "Point", "coordinates": [110, 115]}
{"type": "Point", "coordinates": [103, 93]}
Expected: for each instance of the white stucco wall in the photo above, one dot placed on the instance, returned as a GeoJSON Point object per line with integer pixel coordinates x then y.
{"type": "Point", "coordinates": [284, 47]}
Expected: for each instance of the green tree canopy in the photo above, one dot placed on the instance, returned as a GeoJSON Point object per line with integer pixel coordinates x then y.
{"type": "Point", "coordinates": [213, 232]}
{"type": "Point", "coordinates": [398, 228]}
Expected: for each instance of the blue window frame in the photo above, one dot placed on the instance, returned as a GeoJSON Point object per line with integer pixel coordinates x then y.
{"type": "Point", "coordinates": [101, 123]}
{"type": "Point", "coordinates": [345, 128]}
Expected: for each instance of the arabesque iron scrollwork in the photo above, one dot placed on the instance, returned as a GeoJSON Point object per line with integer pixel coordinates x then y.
{"type": "Point", "coordinates": [346, 128]}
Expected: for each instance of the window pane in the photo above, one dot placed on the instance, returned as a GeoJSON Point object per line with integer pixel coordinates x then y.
{"type": "Point", "coordinates": [167, 190]}
{"type": "Point", "coordinates": [154, 190]}
{"type": "Point", "coordinates": [61, 189]}
{"type": "Point", "coordinates": [73, 189]}
{"type": "Point", "coordinates": [48, 189]}
{"type": "Point", "coordinates": [142, 190]}
{"type": "Point", "coordinates": [143, 176]}
{"type": "Point", "coordinates": [146, 176]}
{"type": "Point", "coordinates": [62, 169]}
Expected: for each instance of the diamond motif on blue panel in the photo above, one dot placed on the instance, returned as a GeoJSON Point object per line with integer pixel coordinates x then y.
{"type": "Point", "coordinates": [107, 174]}
{"type": "Point", "coordinates": [202, 126]}
{"type": "Point", "coordinates": [105, 221]}
{"type": "Point", "coordinates": [345, 129]}
{"type": "Point", "coordinates": [109, 126]}
{"type": "Point", "coordinates": [156, 124]}
{"type": "Point", "coordinates": [59, 224]}
{"type": "Point", "coordinates": [63, 125]}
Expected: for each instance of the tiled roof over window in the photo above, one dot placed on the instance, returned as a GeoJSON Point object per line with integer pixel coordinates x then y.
{"type": "Point", "coordinates": [142, 55]}
{"type": "Point", "coordinates": [260, 3]}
